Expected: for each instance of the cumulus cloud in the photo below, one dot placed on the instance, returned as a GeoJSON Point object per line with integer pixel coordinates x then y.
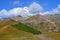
{"type": "Point", "coordinates": [19, 11]}
{"type": "Point", "coordinates": [16, 2]}
{"type": "Point", "coordinates": [24, 12]}
{"type": "Point", "coordinates": [53, 11]}
{"type": "Point", "coordinates": [45, 13]}
{"type": "Point", "coordinates": [57, 10]}
{"type": "Point", "coordinates": [15, 11]}
{"type": "Point", "coordinates": [4, 13]}
{"type": "Point", "coordinates": [35, 8]}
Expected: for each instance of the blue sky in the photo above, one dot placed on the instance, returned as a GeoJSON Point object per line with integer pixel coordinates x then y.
{"type": "Point", "coordinates": [46, 4]}
{"type": "Point", "coordinates": [23, 7]}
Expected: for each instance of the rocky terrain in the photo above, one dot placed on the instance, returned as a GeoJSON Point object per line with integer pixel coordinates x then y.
{"type": "Point", "coordinates": [35, 27]}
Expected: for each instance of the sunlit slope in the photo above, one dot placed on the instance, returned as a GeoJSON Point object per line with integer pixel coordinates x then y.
{"type": "Point", "coordinates": [11, 33]}
{"type": "Point", "coordinates": [54, 35]}
{"type": "Point", "coordinates": [40, 23]}
{"type": "Point", "coordinates": [6, 22]}
{"type": "Point", "coordinates": [55, 18]}
{"type": "Point", "coordinates": [26, 28]}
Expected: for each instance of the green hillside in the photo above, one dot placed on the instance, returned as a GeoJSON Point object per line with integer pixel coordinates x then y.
{"type": "Point", "coordinates": [6, 22]}
{"type": "Point", "coordinates": [9, 32]}
{"type": "Point", "coordinates": [26, 28]}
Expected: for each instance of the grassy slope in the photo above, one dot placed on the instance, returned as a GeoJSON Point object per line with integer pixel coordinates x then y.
{"type": "Point", "coordinates": [26, 28]}
{"type": "Point", "coordinates": [6, 22]}
{"type": "Point", "coordinates": [11, 33]}
{"type": "Point", "coordinates": [53, 35]}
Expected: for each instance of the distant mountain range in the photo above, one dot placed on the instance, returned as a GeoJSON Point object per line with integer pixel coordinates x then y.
{"type": "Point", "coordinates": [18, 26]}
{"type": "Point", "coordinates": [41, 23]}
{"type": "Point", "coordinates": [55, 18]}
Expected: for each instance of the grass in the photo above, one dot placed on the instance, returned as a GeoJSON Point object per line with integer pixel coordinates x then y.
{"type": "Point", "coordinates": [26, 28]}
{"type": "Point", "coordinates": [6, 22]}
{"type": "Point", "coordinates": [11, 33]}
{"type": "Point", "coordinates": [53, 35]}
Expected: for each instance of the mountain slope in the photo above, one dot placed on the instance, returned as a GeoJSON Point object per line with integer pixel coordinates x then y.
{"type": "Point", "coordinates": [26, 28]}
{"type": "Point", "coordinates": [40, 23]}
{"type": "Point", "coordinates": [10, 33]}
{"type": "Point", "coordinates": [56, 19]}
{"type": "Point", "coordinates": [54, 35]}
{"type": "Point", "coordinates": [5, 22]}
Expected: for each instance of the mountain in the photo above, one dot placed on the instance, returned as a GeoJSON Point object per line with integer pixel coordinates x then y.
{"type": "Point", "coordinates": [38, 22]}
{"type": "Point", "coordinates": [18, 25]}
{"type": "Point", "coordinates": [18, 18]}
{"type": "Point", "coordinates": [41, 23]}
{"type": "Point", "coordinates": [9, 31]}
{"type": "Point", "coordinates": [35, 27]}
{"type": "Point", "coordinates": [55, 18]}
{"type": "Point", "coordinates": [26, 28]}
{"type": "Point", "coordinates": [4, 22]}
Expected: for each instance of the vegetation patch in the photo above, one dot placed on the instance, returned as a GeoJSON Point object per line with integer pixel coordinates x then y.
{"type": "Point", "coordinates": [26, 28]}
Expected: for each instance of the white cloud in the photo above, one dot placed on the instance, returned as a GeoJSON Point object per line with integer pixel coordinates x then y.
{"type": "Point", "coordinates": [54, 11]}
{"type": "Point", "coordinates": [4, 13]}
{"type": "Point", "coordinates": [25, 11]}
{"type": "Point", "coordinates": [57, 10]}
{"type": "Point", "coordinates": [59, 6]}
{"type": "Point", "coordinates": [19, 11]}
{"type": "Point", "coordinates": [45, 4]}
{"type": "Point", "coordinates": [45, 13]}
{"type": "Point", "coordinates": [16, 2]}
{"type": "Point", "coordinates": [35, 8]}
{"type": "Point", "coordinates": [15, 11]}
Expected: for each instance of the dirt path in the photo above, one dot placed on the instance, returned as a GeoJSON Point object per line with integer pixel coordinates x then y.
{"type": "Point", "coordinates": [44, 37]}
